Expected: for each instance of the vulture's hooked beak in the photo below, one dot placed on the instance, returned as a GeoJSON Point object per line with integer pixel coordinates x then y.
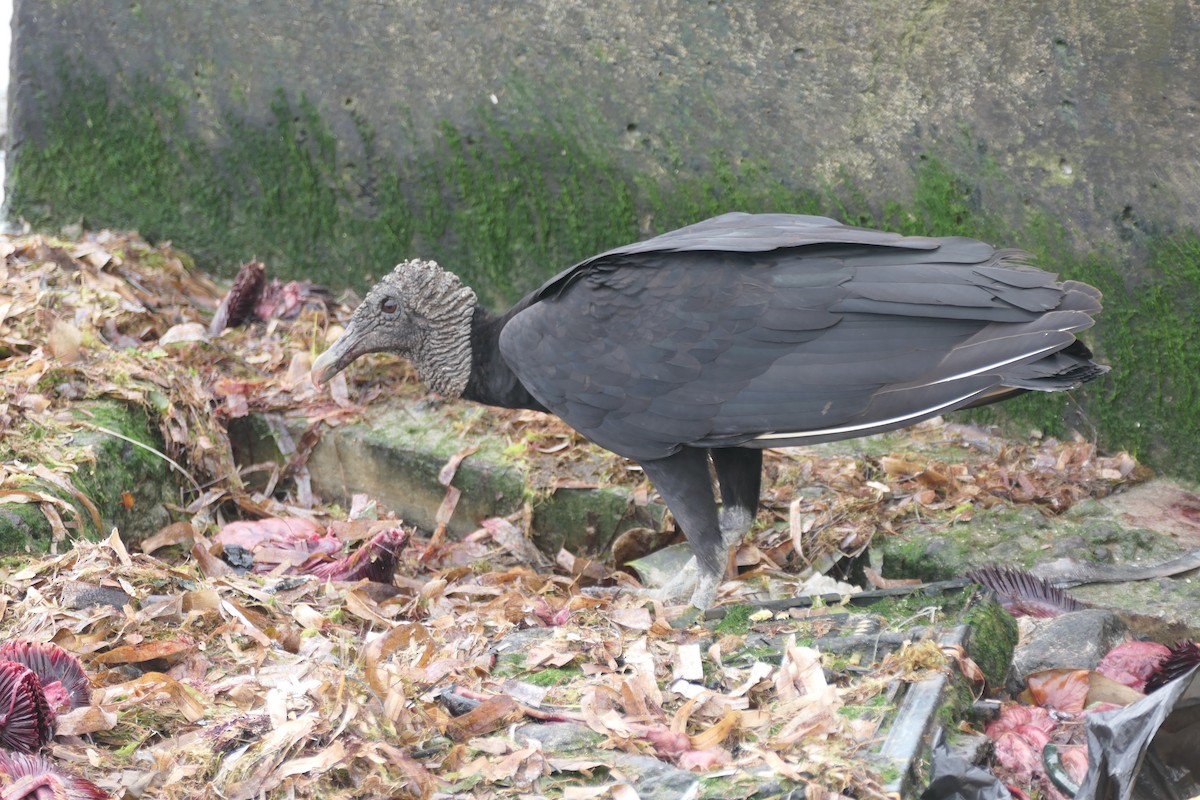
{"type": "Point", "coordinates": [337, 357]}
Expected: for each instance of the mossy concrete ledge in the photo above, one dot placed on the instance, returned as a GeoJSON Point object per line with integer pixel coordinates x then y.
{"type": "Point", "coordinates": [395, 455]}
{"type": "Point", "coordinates": [1137, 527]}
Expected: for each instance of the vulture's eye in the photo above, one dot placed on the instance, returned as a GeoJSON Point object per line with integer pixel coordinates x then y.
{"type": "Point", "coordinates": [388, 306]}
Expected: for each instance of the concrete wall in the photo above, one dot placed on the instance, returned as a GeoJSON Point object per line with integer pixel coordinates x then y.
{"type": "Point", "coordinates": [1088, 108]}
{"type": "Point", "coordinates": [508, 139]}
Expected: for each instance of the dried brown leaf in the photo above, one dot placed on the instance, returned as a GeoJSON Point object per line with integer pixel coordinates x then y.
{"type": "Point", "coordinates": [492, 714]}
{"type": "Point", "coordinates": [718, 733]}
{"type": "Point", "coordinates": [209, 564]}
{"type": "Point", "coordinates": [635, 618]}
{"type": "Point", "coordinates": [169, 650]}
{"type": "Point", "coordinates": [174, 533]}
{"type": "Point", "coordinates": [150, 688]}
{"type": "Point", "coordinates": [364, 607]}
{"type": "Point", "coordinates": [64, 341]}
{"type": "Point", "coordinates": [82, 721]}
{"type": "Point", "coordinates": [115, 543]}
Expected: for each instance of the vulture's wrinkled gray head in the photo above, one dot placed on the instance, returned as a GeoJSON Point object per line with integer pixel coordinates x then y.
{"type": "Point", "coordinates": [418, 311]}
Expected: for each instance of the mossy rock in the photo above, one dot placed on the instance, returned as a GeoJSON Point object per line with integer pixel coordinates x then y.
{"type": "Point", "coordinates": [127, 484]}
{"type": "Point", "coordinates": [23, 529]}
{"type": "Point", "coordinates": [992, 639]}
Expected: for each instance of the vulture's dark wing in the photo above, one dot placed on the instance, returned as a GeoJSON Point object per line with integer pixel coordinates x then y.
{"type": "Point", "coordinates": [738, 231]}
{"type": "Point", "coordinates": [731, 333]}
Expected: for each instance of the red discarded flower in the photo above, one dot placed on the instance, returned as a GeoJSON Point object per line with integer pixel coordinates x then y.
{"type": "Point", "coordinates": [25, 777]}
{"type": "Point", "coordinates": [1132, 663]}
{"type": "Point", "coordinates": [266, 543]}
{"type": "Point", "coordinates": [375, 560]}
{"type": "Point", "coordinates": [1060, 689]}
{"type": "Point", "coordinates": [285, 300]}
{"type": "Point", "coordinates": [307, 548]}
{"type": "Point", "coordinates": [26, 720]}
{"type": "Point", "coordinates": [1018, 718]}
{"type": "Point", "coordinates": [63, 680]}
{"type": "Point", "coordinates": [1020, 733]}
{"type": "Point", "coordinates": [542, 610]}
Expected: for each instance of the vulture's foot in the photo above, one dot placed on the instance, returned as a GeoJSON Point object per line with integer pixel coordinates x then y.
{"type": "Point", "coordinates": [691, 582]}
{"type": "Point", "coordinates": [735, 524]}
{"type": "Point", "coordinates": [706, 589]}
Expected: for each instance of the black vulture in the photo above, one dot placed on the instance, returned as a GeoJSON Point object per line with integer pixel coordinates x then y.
{"type": "Point", "coordinates": [735, 334]}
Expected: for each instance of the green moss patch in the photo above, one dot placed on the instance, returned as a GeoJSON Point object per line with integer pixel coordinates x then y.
{"type": "Point", "coordinates": [1016, 536]}
{"type": "Point", "coordinates": [125, 484]}
{"type": "Point", "coordinates": [128, 483]}
{"type": "Point", "coordinates": [992, 639]}
{"type": "Point", "coordinates": [23, 529]}
{"type": "Point", "coordinates": [552, 676]}
{"type": "Point", "coordinates": [1149, 334]}
{"type": "Point", "coordinates": [736, 621]}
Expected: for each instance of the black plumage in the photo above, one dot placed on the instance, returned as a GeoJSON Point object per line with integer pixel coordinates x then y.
{"type": "Point", "coordinates": [739, 333]}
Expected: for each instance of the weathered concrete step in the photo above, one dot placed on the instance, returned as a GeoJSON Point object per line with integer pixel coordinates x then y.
{"type": "Point", "coordinates": [394, 454]}
{"type": "Point", "coordinates": [916, 727]}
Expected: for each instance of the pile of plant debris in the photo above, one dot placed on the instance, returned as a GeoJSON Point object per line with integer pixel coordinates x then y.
{"type": "Point", "coordinates": [301, 683]}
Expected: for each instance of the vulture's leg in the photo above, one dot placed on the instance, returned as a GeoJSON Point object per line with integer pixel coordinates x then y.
{"type": "Point", "coordinates": [739, 472]}
{"type": "Point", "coordinates": [685, 485]}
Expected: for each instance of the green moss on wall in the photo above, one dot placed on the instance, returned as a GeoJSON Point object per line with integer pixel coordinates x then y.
{"type": "Point", "coordinates": [504, 210]}
{"type": "Point", "coordinates": [277, 192]}
{"type": "Point", "coordinates": [294, 204]}
{"type": "Point", "coordinates": [507, 206]}
{"type": "Point", "coordinates": [509, 210]}
{"type": "Point", "coordinates": [1149, 334]}
{"type": "Point", "coordinates": [749, 186]}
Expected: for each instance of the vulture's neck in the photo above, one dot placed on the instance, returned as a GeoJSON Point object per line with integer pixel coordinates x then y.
{"type": "Point", "coordinates": [491, 380]}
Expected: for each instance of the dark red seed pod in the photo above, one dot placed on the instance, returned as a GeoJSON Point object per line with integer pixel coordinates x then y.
{"type": "Point", "coordinates": [25, 777]}
{"type": "Point", "coordinates": [64, 682]}
{"type": "Point", "coordinates": [238, 305]}
{"type": "Point", "coordinates": [26, 721]}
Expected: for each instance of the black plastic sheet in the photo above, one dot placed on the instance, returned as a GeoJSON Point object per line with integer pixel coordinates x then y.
{"type": "Point", "coordinates": [953, 777]}
{"type": "Point", "coordinates": [1149, 750]}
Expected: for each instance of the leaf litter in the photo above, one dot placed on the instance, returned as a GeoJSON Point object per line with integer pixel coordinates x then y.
{"type": "Point", "coordinates": [307, 678]}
